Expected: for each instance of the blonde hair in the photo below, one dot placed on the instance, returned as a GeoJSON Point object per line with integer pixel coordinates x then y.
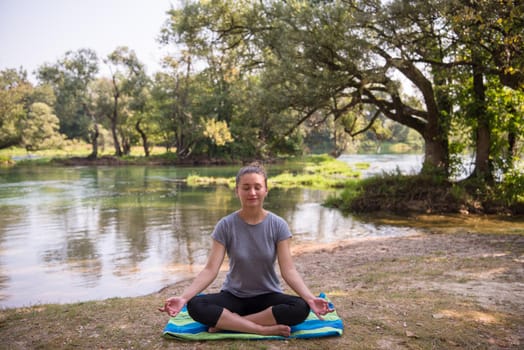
{"type": "Point", "coordinates": [252, 168]}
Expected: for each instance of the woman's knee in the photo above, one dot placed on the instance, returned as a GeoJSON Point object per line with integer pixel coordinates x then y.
{"type": "Point", "coordinates": [291, 314]}
{"type": "Point", "coordinates": [194, 305]}
{"type": "Point", "coordinates": [202, 311]}
{"type": "Point", "coordinates": [302, 311]}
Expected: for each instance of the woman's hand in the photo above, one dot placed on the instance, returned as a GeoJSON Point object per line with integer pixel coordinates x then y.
{"type": "Point", "coordinates": [320, 307]}
{"type": "Point", "coordinates": [173, 306]}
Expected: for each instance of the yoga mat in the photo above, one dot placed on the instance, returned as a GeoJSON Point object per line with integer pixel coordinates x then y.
{"type": "Point", "coordinates": [183, 327]}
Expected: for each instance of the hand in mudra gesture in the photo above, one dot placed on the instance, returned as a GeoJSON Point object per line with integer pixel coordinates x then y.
{"type": "Point", "coordinates": [173, 306]}
{"type": "Point", "coordinates": [320, 307]}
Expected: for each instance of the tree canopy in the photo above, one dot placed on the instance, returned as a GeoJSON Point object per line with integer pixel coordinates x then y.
{"type": "Point", "coordinates": [260, 79]}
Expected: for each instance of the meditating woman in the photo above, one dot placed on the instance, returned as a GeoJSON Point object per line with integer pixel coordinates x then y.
{"type": "Point", "coordinates": [251, 299]}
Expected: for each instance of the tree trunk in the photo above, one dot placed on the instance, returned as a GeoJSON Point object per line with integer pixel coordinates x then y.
{"type": "Point", "coordinates": [436, 157]}
{"type": "Point", "coordinates": [483, 165]}
{"type": "Point", "coordinates": [94, 142]}
{"type": "Point", "coordinates": [143, 135]}
{"type": "Point", "coordinates": [114, 119]}
{"type": "Point", "coordinates": [125, 142]}
{"type": "Point", "coordinates": [437, 142]}
{"type": "Point", "coordinates": [95, 133]}
{"type": "Point", "coordinates": [435, 128]}
{"type": "Point", "coordinates": [512, 149]}
{"type": "Point", "coordinates": [114, 133]}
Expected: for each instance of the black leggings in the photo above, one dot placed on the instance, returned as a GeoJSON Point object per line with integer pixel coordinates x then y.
{"type": "Point", "coordinates": [287, 309]}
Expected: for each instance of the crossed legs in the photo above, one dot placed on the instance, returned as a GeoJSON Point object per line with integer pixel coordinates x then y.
{"type": "Point", "coordinates": [268, 314]}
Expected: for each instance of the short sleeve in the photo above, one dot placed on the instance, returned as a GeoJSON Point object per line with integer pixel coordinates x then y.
{"type": "Point", "coordinates": [282, 229]}
{"type": "Point", "coordinates": [220, 231]}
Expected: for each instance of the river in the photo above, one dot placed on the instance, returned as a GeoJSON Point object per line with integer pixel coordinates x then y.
{"type": "Point", "coordinates": [71, 234]}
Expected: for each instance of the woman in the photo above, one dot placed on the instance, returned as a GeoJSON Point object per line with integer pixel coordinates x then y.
{"type": "Point", "coordinates": [251, 299]}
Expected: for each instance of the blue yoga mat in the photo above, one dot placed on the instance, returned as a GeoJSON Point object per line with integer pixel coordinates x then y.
{"type": "Point", "coordinates": [183, 327]}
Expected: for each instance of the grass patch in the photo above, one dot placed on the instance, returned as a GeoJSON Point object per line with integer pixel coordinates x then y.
{"type": "Point", "coordinates": [319, 172]}
{"type": "Point", "coordinates": [19, 156]}
{"type": "Point", "coordinates": [196, 180]}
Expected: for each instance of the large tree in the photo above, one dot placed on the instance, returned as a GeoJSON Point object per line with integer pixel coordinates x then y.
{"type": "Point", "coordinates": [488, 39]}
{"type": "Point", "coordinates": [221, 89]}
{"type": "Point", "coordinates": [15, 89]}
{"type": "Point", "coordinates": [39, 128]}
{"type": "Point", "coordinates": [128, 80]}
{"type": "Point", "coordinates": [181, 129]}
{"type": "Point", "coordinates": [70, 77]}
{"type": "Point", "coordinates": [334, 57]}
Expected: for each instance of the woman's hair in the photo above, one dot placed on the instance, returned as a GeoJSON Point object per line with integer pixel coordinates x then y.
{"type": "Point", "coordinates": [252, 168]}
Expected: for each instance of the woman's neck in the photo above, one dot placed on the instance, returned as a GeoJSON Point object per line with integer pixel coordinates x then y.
{"type": "Point", "coordinates": [252, 216]}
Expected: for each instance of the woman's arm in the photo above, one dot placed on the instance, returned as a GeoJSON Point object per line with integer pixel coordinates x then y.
{"type": "Point", "coordinates": [205, 277]}
{"type": "Point", "coordinates": [294, 280]}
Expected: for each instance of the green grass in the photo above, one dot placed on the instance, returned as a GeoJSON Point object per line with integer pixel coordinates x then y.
{"type": "Point", "coordinates": [75, 149]}
{"type": "Point", "coordinates": [319, 172]}
{"type": "Point", "coordinates": [195, 180]}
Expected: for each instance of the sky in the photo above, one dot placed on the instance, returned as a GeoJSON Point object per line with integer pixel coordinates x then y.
{"type": "Point", "coordinates": [34, 32]}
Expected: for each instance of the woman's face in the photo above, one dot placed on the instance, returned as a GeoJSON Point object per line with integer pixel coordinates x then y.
{"type": "Point", "coordinates": [251, 190]}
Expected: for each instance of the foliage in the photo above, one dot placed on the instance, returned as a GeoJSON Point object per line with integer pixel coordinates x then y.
{"type": "Point", "coordinates": [14, 92]}
{"type": "Point", "coordinates": [339, 62]}
{"type": "Point", "coordinates": [429, 194]}
{"type": "Point", "coordinates": [40, 128]}
{"type": "Point", "coordinates": [129, 84]}
{"type": "Point", "coordinates": [69, 78]}
{"type": "Point", "coordinates": [217, 132]}
{"type": "Point", "coordinates": [5, 161]}
{"type": "Point", "coordinates": [511, 189]}
{"type": "Point", "coordinates": [395, 192]}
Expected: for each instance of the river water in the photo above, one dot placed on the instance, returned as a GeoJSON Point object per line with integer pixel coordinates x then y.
{"type": "Point", "coordinates": [72, 234]}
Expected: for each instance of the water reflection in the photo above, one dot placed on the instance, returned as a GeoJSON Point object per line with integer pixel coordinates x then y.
{"type": "Point", "coordinates": [72, 234]}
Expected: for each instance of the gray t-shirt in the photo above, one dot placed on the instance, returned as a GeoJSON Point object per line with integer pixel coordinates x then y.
{"type": "Point", "coordinates": [252, 252]}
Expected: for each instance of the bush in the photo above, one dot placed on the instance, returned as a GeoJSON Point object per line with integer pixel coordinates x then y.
{"type": "Point", "coordinates": [398, 193]}
{"type": "Point", "coordinates": [430, 194]}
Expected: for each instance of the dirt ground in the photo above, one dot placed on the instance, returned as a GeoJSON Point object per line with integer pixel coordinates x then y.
{"type": "Point", "coordinates": [427, 291]}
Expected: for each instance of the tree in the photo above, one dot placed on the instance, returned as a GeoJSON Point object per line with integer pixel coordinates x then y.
{"type": "Point", "coordinates": [40, 128]}
{"type": "Point", "coordinates": [70, 77]}
{"type": "Point", "coordinates": [489, 37]}
{"type": "Point", "coordinates": [236, 97]}
{"type": "Point", "coordinates": [493, 34]}
{"type": "Point", "coordinates": [97, 105]}
{"type": "Point", "coordinates": [128, 79]}
{"type": "Point", "coordinates": [15, 90]}
{"type": "Point", "coordinates": [332, 57]}
{"type": "Point", "coordinates": [181, 128]}
{"type": "Point", "coordinates": [313, 59]}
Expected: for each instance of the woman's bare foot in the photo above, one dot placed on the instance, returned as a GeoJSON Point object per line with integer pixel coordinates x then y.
{"type": "Point", "coordinates": [234, 322]}
{"type": "Point", "coordinates": [213, 330]}
{"type": "Point", "coordinates": [278, 329]}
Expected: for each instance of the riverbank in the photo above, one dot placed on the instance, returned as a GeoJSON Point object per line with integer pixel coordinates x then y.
{"type": "Point", "coordinates": [429, 291]}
